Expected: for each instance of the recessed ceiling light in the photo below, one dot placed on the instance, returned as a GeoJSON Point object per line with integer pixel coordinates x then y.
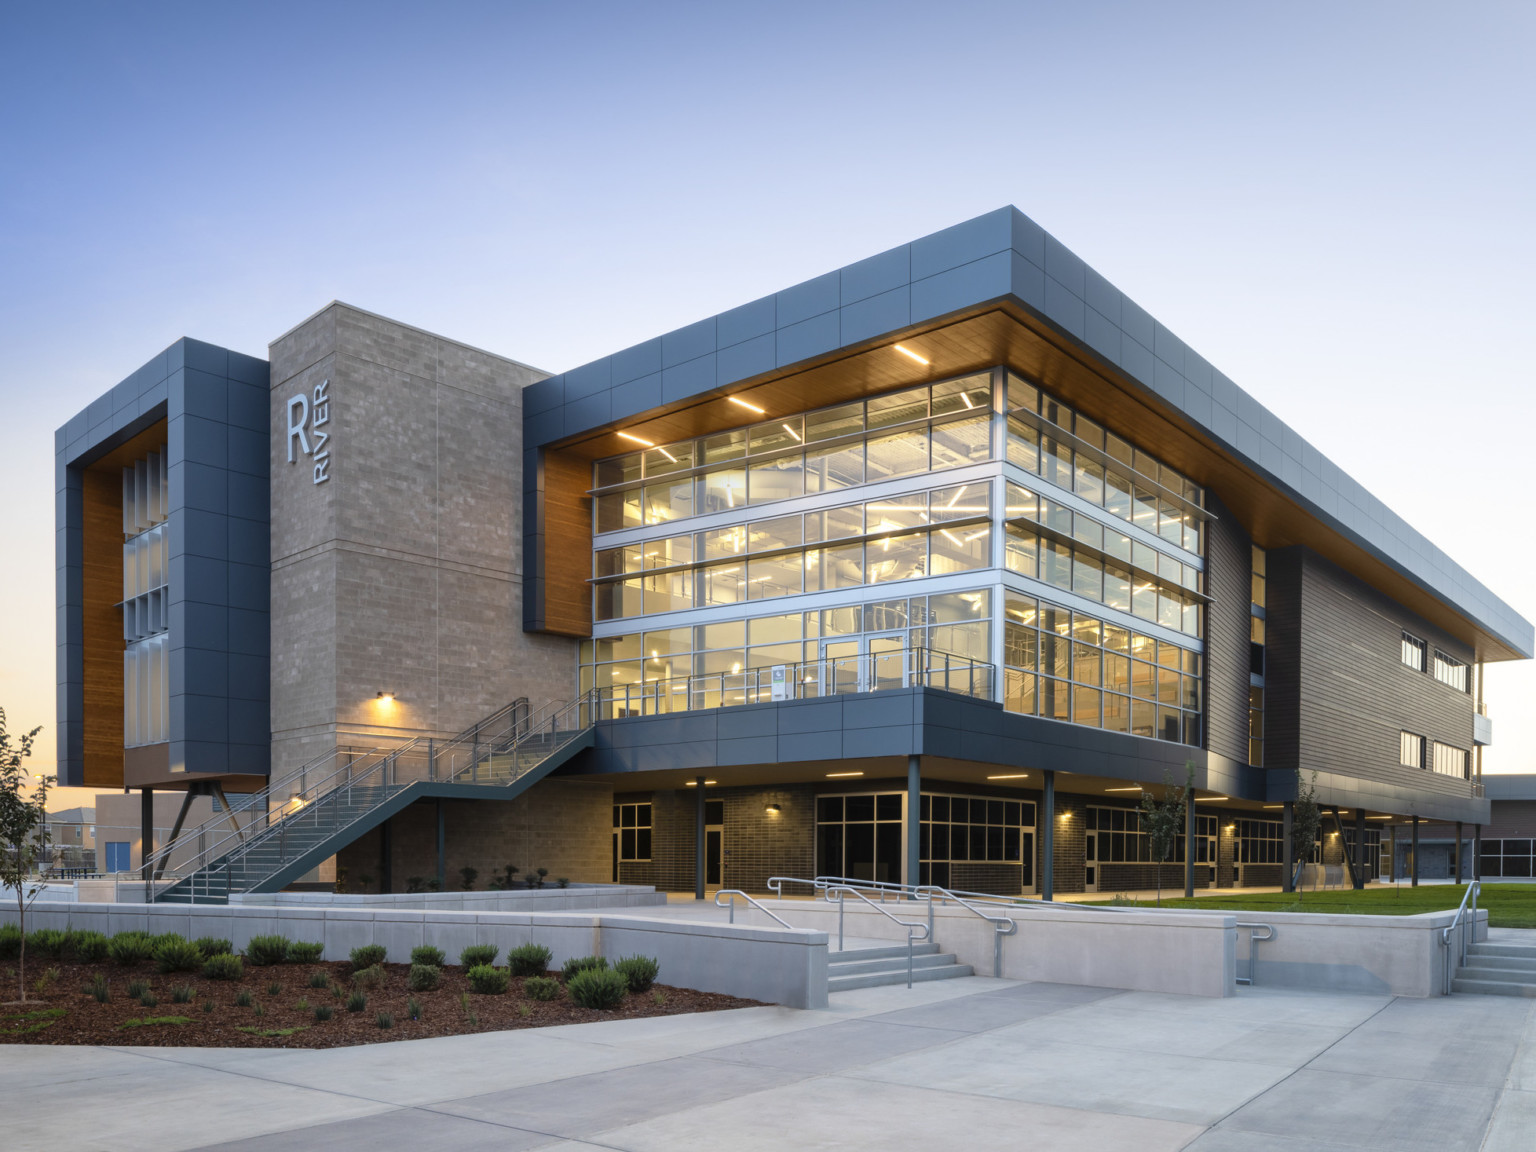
{"type": "Point", "coordinates": [1011, 776]}
{"type": "Point", "coordinates": [695, 783]}
{"type": "Point", "coordinates": [835, 775]}
{"type": "Point", "coordinates": [913, 355]}
{"type": "Point", "coordinates": [638, 439]}
{"type": "Point", "coordinates": [1138, 788]}
{"type": "Point", "coordinates": [746, 405]}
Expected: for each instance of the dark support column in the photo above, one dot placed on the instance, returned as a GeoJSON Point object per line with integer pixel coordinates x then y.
{"type": "Point", "coordinates": [1349, 863]}
{"type": "Point", "coordinates": [1288, 881]}
{"type": "Point", "coordinates": [147, 829]}
{"type": "Point", "coordinates": [1048, 837]}
{"type": "Point", "coordinates": [1413, 854]}
{"type": "Point", "coordinates": [386, 857]}
{"type": "Point", "coordinates": [914, 819]}
{"type": "Point", "coordinates": [1360, 872]}
{"type": "Point", "coordinates": [442, 847]}
{"type": "Point", "coordinates": [1477, 851]}
{"type": "Point", "coordinates": [698, 840]}
{"type": "Point", "coordinates": [1393, 854]}
{"type": "Point", "coordinates": [1189, 844]}
{"type": "Point", "coordinates": [1458, 852]}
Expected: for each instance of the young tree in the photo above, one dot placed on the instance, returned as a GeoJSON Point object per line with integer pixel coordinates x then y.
{"type": "Point", "coordinates": [1162, 821]}
{"type": "Point", "coordinates": [1306, 820]}
{"type": "Point", "coordinates": [23, 830]}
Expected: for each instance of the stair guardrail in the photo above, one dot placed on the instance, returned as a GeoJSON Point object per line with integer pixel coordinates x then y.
{"type": "Point", "coordinates": [731, 904]}
{"type": "Point", "coordinates": [1254, 941]}
{"type": "Point", "coordinates": [1462, 923]}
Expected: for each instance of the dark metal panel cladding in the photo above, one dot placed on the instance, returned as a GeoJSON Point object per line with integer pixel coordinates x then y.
{"type": "Point", "coordinates": [1228, 565]}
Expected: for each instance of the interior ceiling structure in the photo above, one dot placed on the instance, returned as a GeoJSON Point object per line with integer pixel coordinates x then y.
{"type": "Point", "coordinates": [1006, 333]}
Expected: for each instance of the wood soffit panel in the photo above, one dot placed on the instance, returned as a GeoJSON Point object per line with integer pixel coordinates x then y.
{"type": "Point", "coordinates": [152, 439]}
{"type": "Point", "coordinates": [1007, 333]}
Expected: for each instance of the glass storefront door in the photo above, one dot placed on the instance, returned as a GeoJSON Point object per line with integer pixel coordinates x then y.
{"type": "Point", "coordinates": [865, 663]}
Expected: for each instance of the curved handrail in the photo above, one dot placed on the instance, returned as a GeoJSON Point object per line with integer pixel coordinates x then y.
{"type": "Point", "coordinates": [1474, 889]}
{"type": "Point", "coordinates": [1254, 941]}
{"type": "Point", "coordinates": [731, 904]}
{"type": "Point", "coordinates": [912, 926]}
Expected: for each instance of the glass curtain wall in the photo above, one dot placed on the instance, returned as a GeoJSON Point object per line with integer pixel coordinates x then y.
{"type": "Point", "coordinates": [146, 567]}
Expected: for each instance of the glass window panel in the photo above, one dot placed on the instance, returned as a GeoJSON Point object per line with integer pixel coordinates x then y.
{"type": "Point", "coordinates": [1056, 655]}
{"type": "Point", "coordinates": [1146, 465]}
{"type": "Point", "coordinates": [780, 532]}
{"type": "Point", "coordinates": [1169, 568]}
{"type": "Point", "coordinates": [843, 420]}
{"type": "Point", "coordinates": [1192, 535]}
{"type": "Point", "coordinates": [1055, 699]}
{"type": "Point", "coordinates": [668, 642]}
{"type": "Point", "coordinates": [776, 434]}
{"type": "Point", "coordinates": [902, 454]}
{"type": "Point", "coordinates": [720, 490]}
{"type": "Point", "coordinates": [861, 808]}
{"type": "Point", "coordinates": [774, 576]}
{"type": "Point", "coordinates": [1117, 713]}
{"type": "Point", "coordinates": [628, 672]}
{"type": "Point", "coordinates": [834, 523]}
{"type": "Point", "coordinates": [669, 458]}
{"type": "Point", "coordinates": [1143, 718]}
{"type": "Point", "coordinates": [1085, 706]}
{"type": "Point", "coordinates": [833, 468]}
{"type": "Point", "coordinates": [773, 629]}
{"type": "Point", "coordinates": [962, 442]}
{"type": "Point", "coordinates": [1057, 413]}
{"type": "Point", "coordinates": [1117, 495]}
{"type": "Point", "coordinates": [616, 561]}
{"type": "Point", "coordinates": [1023, 445]}
{"type": "Point", "coordinates": [1170, 523]}
{"type": "Point", "coordinates": [1167, 686]}
{"type": "Point", "coordinates": [828, 568]}
{"type": "Point", "coordinates": [970, 393]}
{"type": "Point", "coordinates": [1056, 516]}
{"type": "Point", "coordinates": [1087, 430]}
{"type": "Point", "coordinates": [1145, 514]}
{"type": "Point", "coordinates": [1143, 556]}
{"type": "Point", "coordinates": [1022, 551]}
{"type": "Point", "coordinates": [954, 607]}
{"type": "Point", "coordinates": [897, 512]}
{"type": "Point", "coordinates": [1019, 691]}
{"type": "Point", "coordinates": [1143, 680]}
{"type": "Point", "coordinates": [780, 479]}
{"type": "Point", "coordinates": [1020, 646]}
{"type": "Point", "coordinates": [1088, 577]}
{"type": "Point", "coordinates": [1117, 672]}
{"type": "Point", "coordinates": [1116, 639]}
{"type": "Point", "coordinates": [726, 446]}
{"type": "Point", "coordinates": [669, 552]}
{"type": "Point", "coordinates": [1170, 725]}
{"type": "Point", "coordinates": [718, 543]}
{"type": "Point", "coordinates": [1022, 394]}
{"type": "Point", "coordinates": [1144, 600]}
{"type": "Point", "coordinates": [961, 549]}
{"type": "Point", "coordinates": [1057, 620]}
{"type": "Point", "coordinates": [842, 621]}
{"type": "Point", "coordinates": [898, 408]}
{"type": "Point", "coordinates": [668, 591]}
{"type": "Point", "coordinates": [896, 558]}
{"type": "Point", "coordinates": [1085, 629]}
{"type": "Point", "coordinates": [1090, 480]}
{"type": "Point", "coordinates": [664, 502]}
{"type": "Point", "coordinates": [1117, 588]}
{"type": "Point", "coordinates": [1086, 664]}
{"type": "Point", "coordinates": [1056, 462]}
{"type": "Point", "coordinates": [723, 584]}
{"type": "Point", "coordinates": [962, 501]}
{"type": "Point", "coordinates": [972, 640]}
{"type": "Point", "coordinates": [1056, 564]}
{"type": "Point", "coordinates": [619, 648]}
{"type": "Point", "coordinates": [1170, 611]}
{"type": "Point", "coordinates": [883, 615]}
{"type": "Point", "coordinates": [1090, 532]}
{"type": "Point", "coordinates": [767, 655]}
{"type": "Point", "coordinates": [728, 661]}
{"type": "Point", "coordinates": [1119, 449]}
{"type": "Point", "coordinates": [1022, 503]}
{"type": "Point", "coordinates": [618, 470]}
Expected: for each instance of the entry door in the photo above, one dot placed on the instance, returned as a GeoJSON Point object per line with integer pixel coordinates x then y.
{"type": "Point", "coordinates": [714, 854]}
{"type": "Point", "coordinates": [1091, 862]}
{"type": "Point", "coordinates": [840, 665]}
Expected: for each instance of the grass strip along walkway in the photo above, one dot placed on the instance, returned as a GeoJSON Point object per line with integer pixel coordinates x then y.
{"type": "Point", "coordinates": [1508, 905]}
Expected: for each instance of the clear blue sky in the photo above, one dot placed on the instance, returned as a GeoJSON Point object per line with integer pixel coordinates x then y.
{"type": "Point", "coordinates": [1331, 201]}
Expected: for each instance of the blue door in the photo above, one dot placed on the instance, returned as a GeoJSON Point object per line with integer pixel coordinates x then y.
{"type": "Point", "coordinates": [117, 856]}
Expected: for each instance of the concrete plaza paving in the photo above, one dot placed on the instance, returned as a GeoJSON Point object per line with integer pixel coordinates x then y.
{"type": "Point", "coordinates": [952, 1065]}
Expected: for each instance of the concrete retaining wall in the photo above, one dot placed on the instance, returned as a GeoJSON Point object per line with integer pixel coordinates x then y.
{"type": "Point", "coordinates": [769, 964]}
{"type": "Point", "coordinates": [550, 899]}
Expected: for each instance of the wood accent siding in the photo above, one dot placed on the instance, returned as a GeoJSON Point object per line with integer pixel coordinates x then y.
{"type": "Point", "coordinates": [1339, 694]}
{"type": "Point", "coordinates": [1228, 565]}
{"type": "Point", "coordinates": [102, 631]}
{"type": "Point", "coordinates": [565, 544]}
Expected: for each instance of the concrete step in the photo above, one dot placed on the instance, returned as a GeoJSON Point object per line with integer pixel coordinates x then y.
{"type": "Point", "coordinates": [849, 955]}
{"type": "Point", "coordinates": [1497, 970]}
{"type": "Point", "coordinates": [890, 963]}
{"type": "Point", "coordinates": [896, 974]}
{"type": "Point", "coordinates": [1513, 961]}
{"type": "Point", "coordinates": [1514, 951]}
{"type": "Point", "coordinates": [1494, 987]}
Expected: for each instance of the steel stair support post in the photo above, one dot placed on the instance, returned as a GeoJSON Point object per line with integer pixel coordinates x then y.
{"type": "Point", "coordinates": [914, 822]}
{"type": "Point", "coordinates": [1413, 863]}
{"type": "Point", "coordinates": [1189, 844]}
{"type": "Point", "coordinates": [1359, 849]}
{"type": "Point", "coordinates": [442, 844]}
{"type": "Point", "coordinates": [1048, 837]}
{"type": "Point", "coordinates": [1458, 852]}
{"type": "Point", "coordinates": [698, 840]}
{"type": "Point", "coordinates": [1288, 880]}
{"type": "Point", "coordinates": [146, 837]}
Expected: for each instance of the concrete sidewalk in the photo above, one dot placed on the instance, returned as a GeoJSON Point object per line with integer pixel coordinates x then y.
{"type": "Point", "coordinates": [950, 1065]}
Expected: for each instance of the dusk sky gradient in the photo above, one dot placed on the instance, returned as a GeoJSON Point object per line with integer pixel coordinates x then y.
{"type": "Point", "coordinates": [1332, 202]}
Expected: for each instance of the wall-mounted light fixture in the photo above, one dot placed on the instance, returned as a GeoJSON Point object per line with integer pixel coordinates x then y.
{"type": "Point", "coordinates": [695, 783]}
{"type": "Point", "coordinates": [773, 809]}
{"type": "Point", "coordinates": [386, 697]}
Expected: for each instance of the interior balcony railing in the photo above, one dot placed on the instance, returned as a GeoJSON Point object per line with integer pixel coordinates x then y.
{"type": "Point", "coordinates": [810, 679]}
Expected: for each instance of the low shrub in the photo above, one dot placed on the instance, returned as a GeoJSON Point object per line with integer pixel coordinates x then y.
{"type": "Point", "coordinates": [368, 956]}
{"type": "Point", "coordinates": [212, 946]}
{"type": "Point", "coordinates": [224, 966]}
{"type": "Point", "coordinates": [177, 955]}
{"type": "Point", "coordinates": [598, 988]}
{"type": "Point", "coordinates": [488, 981]}
{"type": "Point", "coordinates": [129, 948]}
{"type": "Point", "coordinates": [541, 987]}
{"type": "Point", "coordinates": [137, 988]}
{"type": "Point", "coordinates": [478, 955]}
{"type": "Point", "coordinates": [639, 971]}
{"type": "Point", "coordinates": [48, 943]}
{"type": "Point", "coordinates": [10, 943]}
{"type": "Point", "coordinates": [148, 1000]}
{"type": "Point", "coordinates": [98, 989]}
{"type": "Point", "coordinates": [384, 1020]}
{"type": "Point", "coordinates": [207, 1005]}
{"type": "Point", "coordinates": [265, 950]}
{"type": "Point", "coordinates": [426, 954]}
{"type": "Point", "coordinates": [324, 1011]}
{"type": "Point", "coordinates": [244, 999]}
{"type": "Point", "coordinates": [319, 978]}
{"type": "Point", "coordinates": [356, 1002]}
{"type": "Point", "coordinates": [413, 1008]}
{"type": "Point", "coordinates": [528, 960]}
{"type": "Point", "coordinates": [423, 977]}
{"type": "Point", "coordinates": [368, 977]}
{"type": "Point", "coordinates": [90, 947]}
{"type": "Point", "coordinates": [578, 964]}
{"type": "Point", "coordinates": [274, 989]}
{"type": "Point", "coordinates": [304, 952]}
{"type": "Point", "coordinates": [182, 994]}
{"type": "Point", "coordinates": [563, 882]}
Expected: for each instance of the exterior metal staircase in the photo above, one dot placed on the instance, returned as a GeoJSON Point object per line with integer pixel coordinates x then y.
{"type": "Point", "coordinates": [280, 837]}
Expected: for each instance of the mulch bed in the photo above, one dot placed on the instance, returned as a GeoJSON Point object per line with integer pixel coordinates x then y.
{"type": "Point", "coordinates": [65, 1013]}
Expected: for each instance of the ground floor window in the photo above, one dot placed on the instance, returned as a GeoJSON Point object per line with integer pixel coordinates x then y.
{"type": "Point", "coordinates": [1119, 839]}
{"type": "Point", "coordinates": [1507, 857]}
{"type": "Point", "coordinates": [1260, 842]}
{"type": "Point", "coordinates": [118, 856]}
{"type": "Point", "coordinates": [970, 829]}
{"type": "Point", "coordinates": [859, 836]}
{"type": "Point", "coordinates": [632, 832]}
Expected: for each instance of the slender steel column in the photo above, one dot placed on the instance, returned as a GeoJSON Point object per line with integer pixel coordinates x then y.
{"type": "Point", "coordinates": [442, 847]}
{"type": "Point", "coordinates": [147, 831]}
{"type": "Point", "coordinates": [1359, 848]}
{"type": "Point", "coordinates": [698, 840]}
{"type": "Point", "coordinates": [386, 857]}
{"type": "Point", "coordinates": [1048, 837]}
{"type": "Point", "coordinates": [1394, 853]}
{"type": "Point", "coordinates": [1477, 851]}
{"type": "Point", "coordinates": [1413, 854]}
{"type": "Point", "coordinates": [914, 819]}
{"type": "Point", "coordinates": [1458, 851]}
{"type": "Point", "coordinates": [1189, 844]}
{"type": "Point", "coordinates": [1288, 881]}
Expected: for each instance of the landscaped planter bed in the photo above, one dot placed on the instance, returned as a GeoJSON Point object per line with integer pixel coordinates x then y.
{"type": "Point", "coordinates": [66, 1012]}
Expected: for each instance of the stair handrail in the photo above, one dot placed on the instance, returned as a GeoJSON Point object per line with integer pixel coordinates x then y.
{"type": "Point", "coordinates": [261, 797]}
{"type": "Point", "coordinates": [1462, 921]}
{"type": "Point", "coordinates": [731, 904]}
{"type": "Point", "coordinates": [546, 721]}
{"type": "Point", "coordinates": [830, 886]}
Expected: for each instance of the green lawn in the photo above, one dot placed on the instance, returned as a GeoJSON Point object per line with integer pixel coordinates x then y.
{"type": "Point", "coordinates": [1508, 905]}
